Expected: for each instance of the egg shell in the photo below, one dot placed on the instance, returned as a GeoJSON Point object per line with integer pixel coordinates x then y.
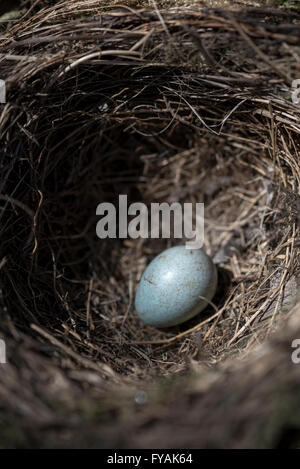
{"type": "Point", "coordinates": [173, 286]}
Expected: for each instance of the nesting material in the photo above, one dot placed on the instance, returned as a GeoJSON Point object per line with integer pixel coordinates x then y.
{"type": "Point", "coordinates": [192, 105]}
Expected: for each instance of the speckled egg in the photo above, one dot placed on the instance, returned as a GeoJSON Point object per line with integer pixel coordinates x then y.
{"type": "Point", "coordinates": [173, 286]}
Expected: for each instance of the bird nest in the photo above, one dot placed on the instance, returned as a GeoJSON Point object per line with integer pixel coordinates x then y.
{"type": "Point", "coordinates": [178, 105]}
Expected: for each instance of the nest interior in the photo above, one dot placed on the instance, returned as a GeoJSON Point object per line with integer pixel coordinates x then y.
{"type": "Point", "coordinates": [178, 105]}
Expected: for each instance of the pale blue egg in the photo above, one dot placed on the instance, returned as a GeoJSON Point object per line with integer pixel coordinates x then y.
{"type": "Point", "coordinates": [173, 286]}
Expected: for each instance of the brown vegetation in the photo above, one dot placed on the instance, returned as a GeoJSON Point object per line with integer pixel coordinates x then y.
{"type": "Point", "coordinates": [183, 104]}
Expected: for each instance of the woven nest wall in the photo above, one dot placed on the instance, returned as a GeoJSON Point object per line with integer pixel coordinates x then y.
{"type": "Point", "coordinates": [178, 105]}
